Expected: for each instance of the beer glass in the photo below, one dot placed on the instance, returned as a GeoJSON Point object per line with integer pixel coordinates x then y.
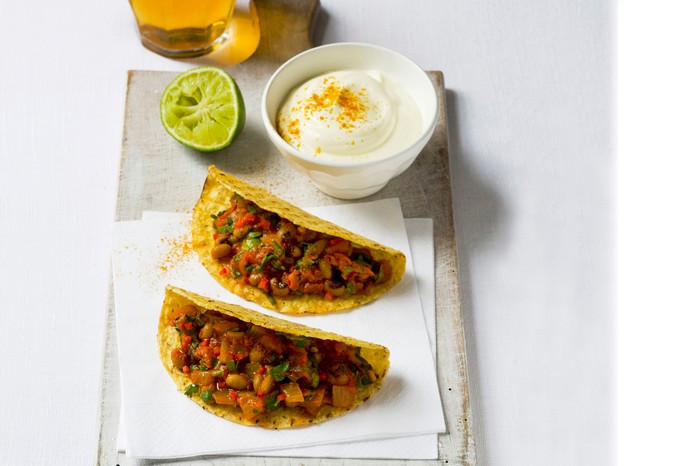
{"type": "Point", "coordinates": [182, 28]}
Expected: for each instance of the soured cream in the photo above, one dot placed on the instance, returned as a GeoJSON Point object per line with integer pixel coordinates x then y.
{"type": "Point", "coordinates": [348, 115]}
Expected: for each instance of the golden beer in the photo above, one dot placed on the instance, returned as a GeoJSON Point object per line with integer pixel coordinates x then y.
{"type": "Point", "coordinates": [182, 28]}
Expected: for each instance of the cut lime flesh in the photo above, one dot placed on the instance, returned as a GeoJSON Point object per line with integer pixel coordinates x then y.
{"type": "Point", "coordinates": [203, 109]}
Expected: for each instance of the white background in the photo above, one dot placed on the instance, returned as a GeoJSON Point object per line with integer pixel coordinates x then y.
{"type": "Point", "coordinates": [540, 195]}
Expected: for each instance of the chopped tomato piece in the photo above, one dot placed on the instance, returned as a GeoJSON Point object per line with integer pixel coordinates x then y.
{"type": "Point", "coordinates": [226, 397]}
{"type": "Point", "coordinates": [223, 326]}
{"type": "Point", "coordinates": [179, 357]}
{"type": "Point", "coordinates": [292, 392]}
{"type": "Point", "coordinates": [343, 396]}
{"type": "Point", "coordinates": [251, 405]}
{"type": "Point", "coordinates": [201, 378]}
{"type": "Point", "coordinates": [313, 404]}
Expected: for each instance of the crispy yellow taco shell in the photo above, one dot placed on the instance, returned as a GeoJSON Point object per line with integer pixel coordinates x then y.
{"type": "Point", "coordinates": [258, 370]}
{"type": "Point", "coordinates": [298, 264]}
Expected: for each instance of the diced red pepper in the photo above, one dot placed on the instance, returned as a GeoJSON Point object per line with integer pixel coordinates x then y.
{"type": "Point", "coordinates": [223, 271]}
{"type": "Point", "coordinates": [293, 280]}
{"type": "Point", "coordinates": [223, 218]}
{"type": "Point", "coordinates": [247, 219]}
{"type": "Point", "coordinates": [264, 284]}
{"type": "Point", "coordinates": [186, 369]}
{"type": "Point", "coordinates": [265, 223]}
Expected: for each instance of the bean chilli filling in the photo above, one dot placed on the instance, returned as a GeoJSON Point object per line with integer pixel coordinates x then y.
{"type": "Point", "coordinates": [265, 250]}
{"type": "Point", "coordinates": [281, 257]}
{"type": "Point", "coordinates": [255, 372]}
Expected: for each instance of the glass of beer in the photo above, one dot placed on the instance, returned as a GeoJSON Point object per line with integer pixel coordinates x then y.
{"type": "Point", "coordinates": [183, 28]}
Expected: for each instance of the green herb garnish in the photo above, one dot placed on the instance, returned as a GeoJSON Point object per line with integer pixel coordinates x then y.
{"type": "Point", "coordinates": [279, 371]}
{"type": "Point", "coordinates": [191, 389]}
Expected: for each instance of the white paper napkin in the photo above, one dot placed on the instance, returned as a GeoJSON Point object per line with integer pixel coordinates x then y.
{"type": "Point", "coordinates": [161, 423]}
{"type": "Point", "coordinates": [420, 237]}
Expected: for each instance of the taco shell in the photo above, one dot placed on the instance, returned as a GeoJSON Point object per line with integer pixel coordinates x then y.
{"type": "Point", "coordinates": [262, 333]}
{"type": "Point", "coordinates": [375, 273]}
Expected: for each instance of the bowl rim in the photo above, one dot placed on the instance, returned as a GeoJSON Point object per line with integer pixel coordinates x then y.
{"type": "Point", "coordinates": [279, 141]}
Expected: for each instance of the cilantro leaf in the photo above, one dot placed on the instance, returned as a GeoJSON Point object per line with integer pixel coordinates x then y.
{"type": "Point", "coordinates": [278, 371]}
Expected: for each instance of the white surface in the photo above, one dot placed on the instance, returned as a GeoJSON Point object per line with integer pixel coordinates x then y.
{"type": "Point", "coordinates": [159, 421]}
{"type": "Point", "coordinates": [529, 89]}
{"type": "Point", "coordinates": [658, 226]}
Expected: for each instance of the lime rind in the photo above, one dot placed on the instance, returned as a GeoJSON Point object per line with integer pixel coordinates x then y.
{"type": "Point", "coordinates": [203, 109]}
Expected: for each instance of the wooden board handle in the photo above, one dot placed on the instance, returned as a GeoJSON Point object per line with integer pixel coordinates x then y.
{"type": "Point", "coordinates": [286, 27]}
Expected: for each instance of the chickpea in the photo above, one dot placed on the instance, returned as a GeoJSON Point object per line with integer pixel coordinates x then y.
{"type": "Point", "coordinates": [316, 249]}
{"type": "Point", "coordinates": [279, 288]}
{"type": "Point", "coordinates": [221, 250]}
{"type": "Point", "coordinates": [286, 231]}
{"type": "Point", "coordinates": [222, 238]}
{"type": "Point", "coordinates": [334, 288]}
{"type": "Point", "coordinates": [295, 252]}
{"type": "Point", "coordinates": [254, 278]}
{"type": "Point", "coordinates": [240, 233]}
{"type": "Point", "coordinates": [237, 381]}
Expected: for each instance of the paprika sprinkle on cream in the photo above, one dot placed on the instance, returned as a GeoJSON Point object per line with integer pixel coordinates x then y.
{"type": "Point", "coordinates": [349, 113]}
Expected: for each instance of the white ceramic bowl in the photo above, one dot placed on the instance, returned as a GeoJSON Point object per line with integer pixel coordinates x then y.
{"type": "Point", "coordinates": [350, 179]}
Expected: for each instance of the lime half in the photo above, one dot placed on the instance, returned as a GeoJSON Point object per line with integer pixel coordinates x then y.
{"type": "Point", "coordinates": [203, 109]}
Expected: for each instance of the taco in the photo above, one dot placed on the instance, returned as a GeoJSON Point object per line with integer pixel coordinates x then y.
{"type": "Point", "coordinates": [283, 258]}
{"type": "Point", "coordinates": [254, 369]}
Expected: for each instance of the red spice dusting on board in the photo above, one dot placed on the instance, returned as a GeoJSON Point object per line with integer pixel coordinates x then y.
{"type": "Point", "coordinates": [178, 249]}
